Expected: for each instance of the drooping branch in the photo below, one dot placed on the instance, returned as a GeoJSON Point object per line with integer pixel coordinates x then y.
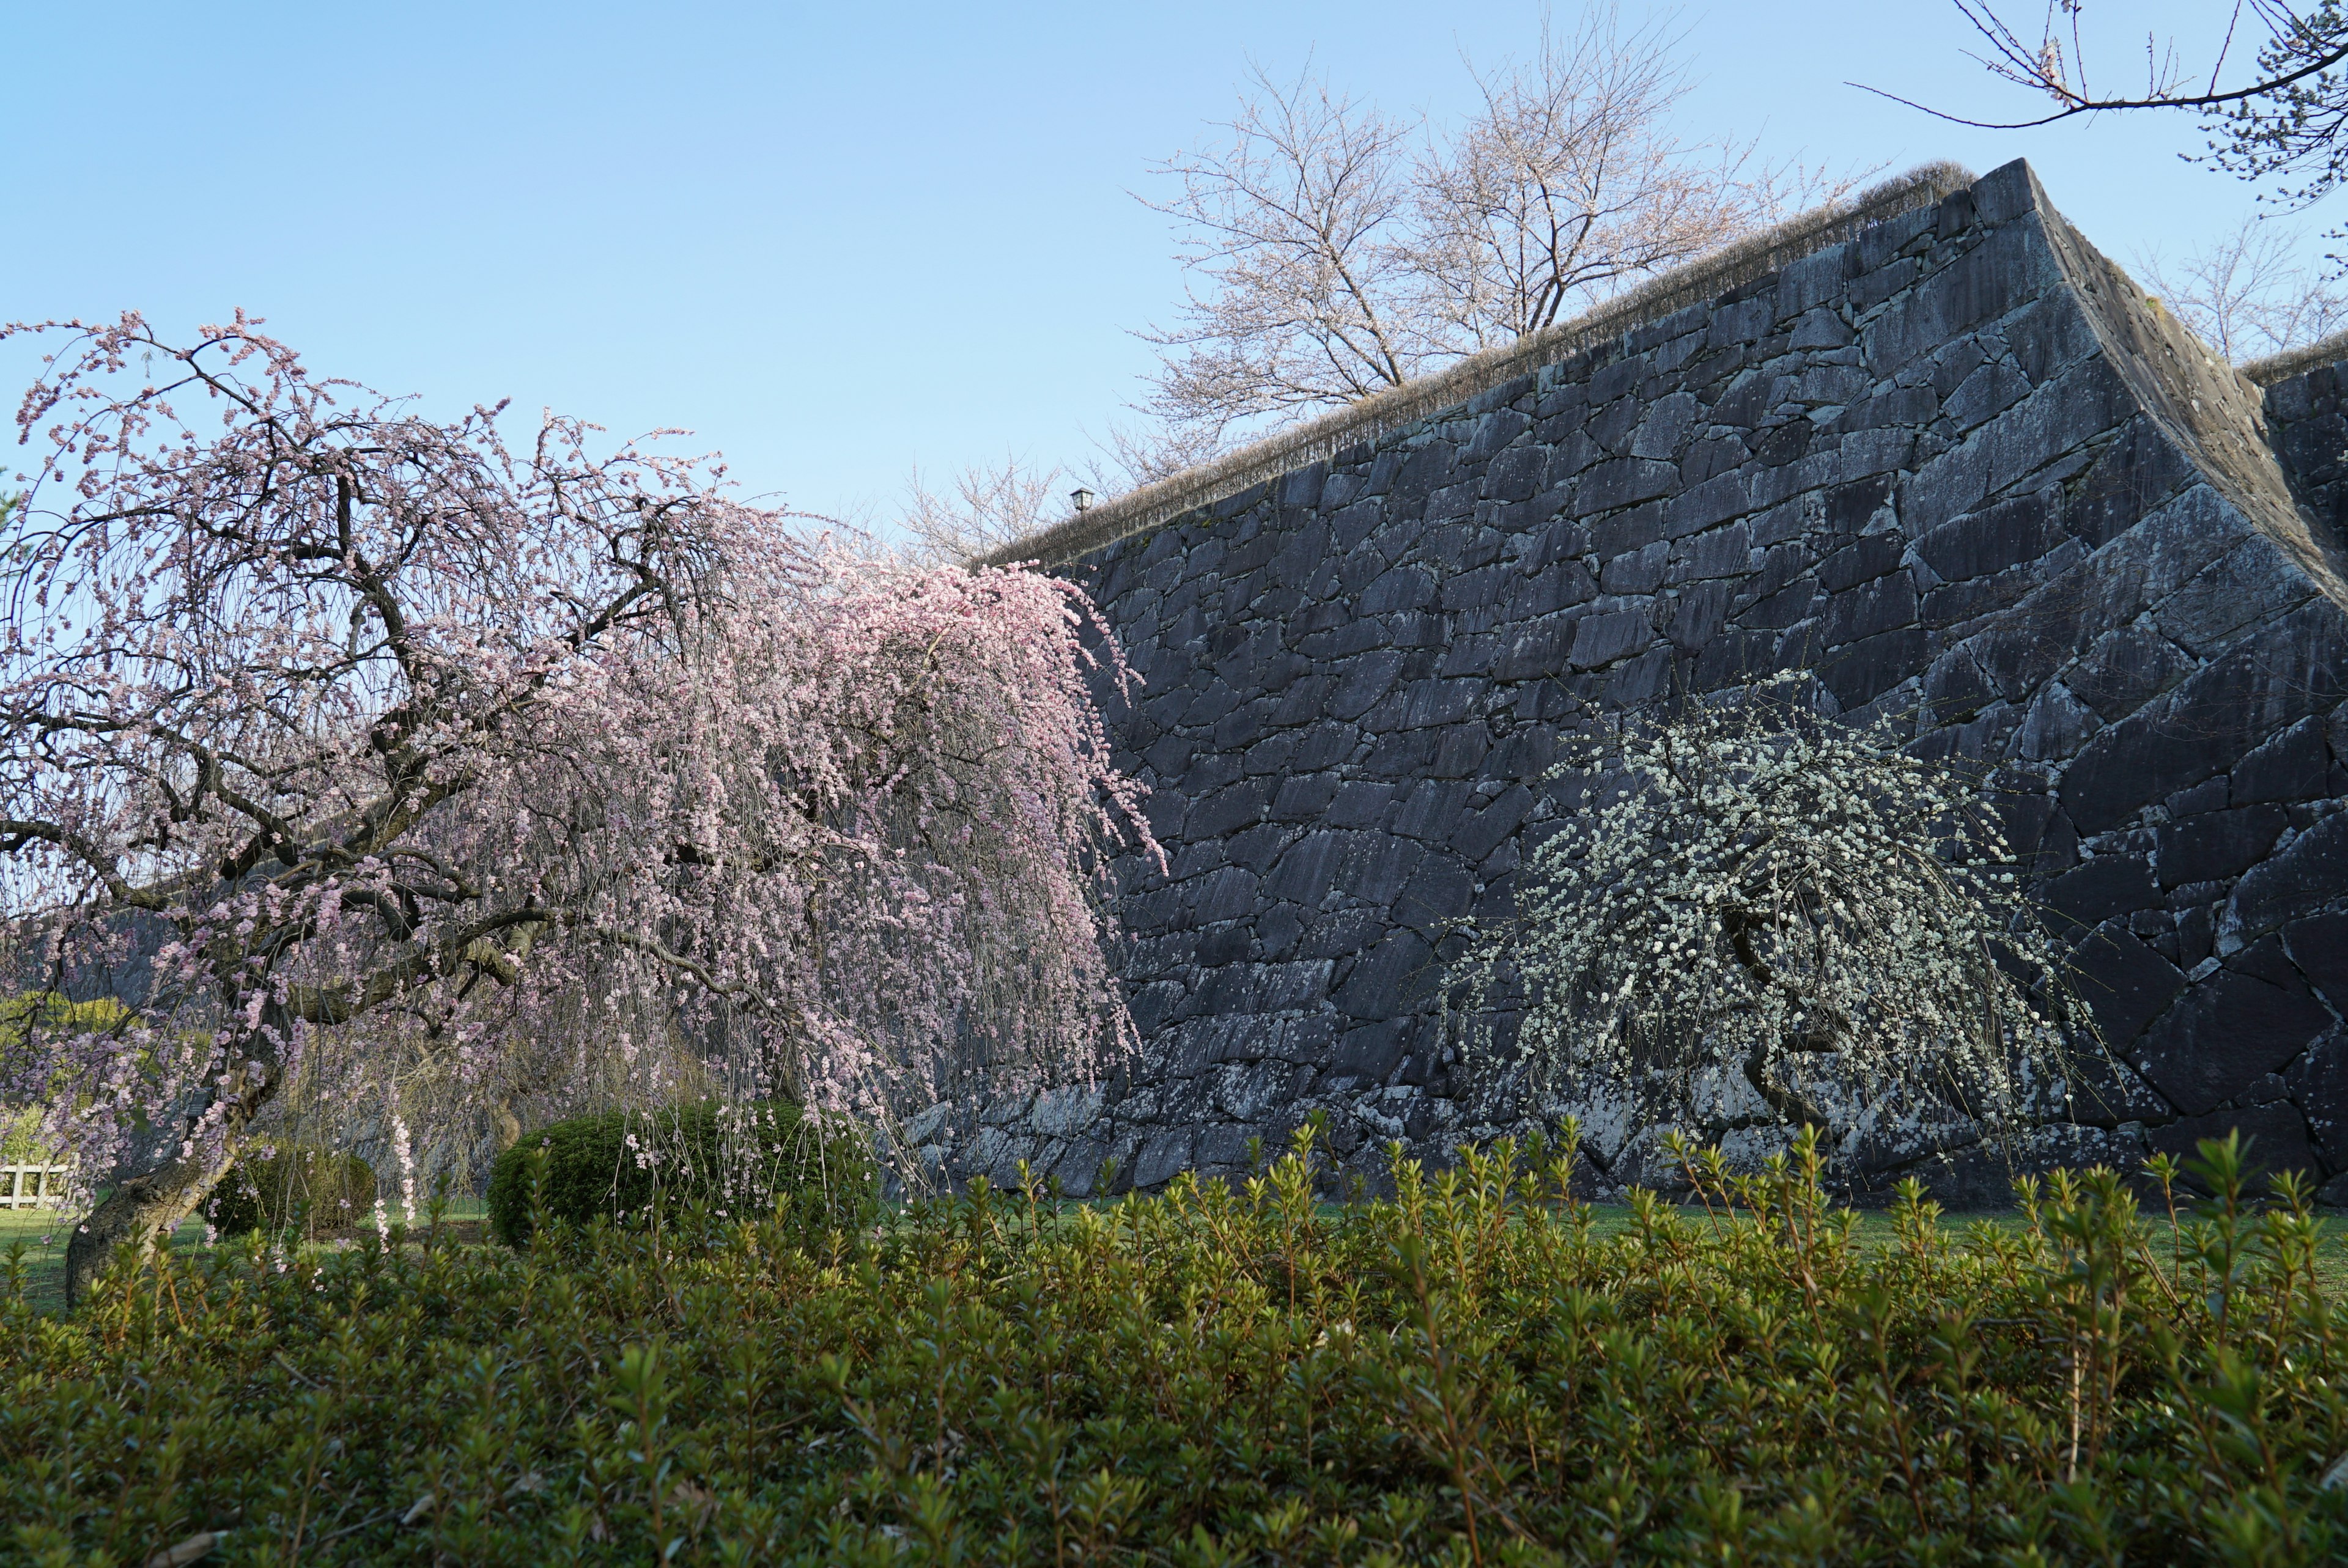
{"type": "Point", "coordinates": [1762, 887]}
{"type": "Point", "coordinates": [313, 719]}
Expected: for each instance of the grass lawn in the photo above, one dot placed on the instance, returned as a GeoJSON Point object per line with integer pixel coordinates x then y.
{"type": "Point", "coordinates": [44, 1233]}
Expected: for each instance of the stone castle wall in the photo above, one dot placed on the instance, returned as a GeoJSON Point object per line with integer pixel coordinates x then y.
{"type": "Point", "coordinates": [1959, 467]}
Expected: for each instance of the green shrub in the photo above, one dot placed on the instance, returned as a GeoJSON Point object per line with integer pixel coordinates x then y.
{"type": "Point", "coordinates": [632, 1165]}
{"type": "Point", "coordinates": [1478, 1369]}
{"type": "Point", "coordinates": [289, 1186]}
{"type": "Point", "coordinates": [20, 1142]}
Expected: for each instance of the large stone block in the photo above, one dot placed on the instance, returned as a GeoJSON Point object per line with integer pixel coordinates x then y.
{"type": "Point", "coordinates": [1307, 870]}
{"type": "Point", "coordinates": [2318, 946]}
{"type": "Point", "coordinates": [1879, 606]}
{"type": "Point", "coordinates": [2133, 477]}
{"type": "Point", "coordinates": [1229, 809]}
{"type": "Point", "coordinates": [2008, 534]}
{"type": "Point", "coordinates": [1637, 571]}
{"type": "Point", "coordinates": [2126, 983]}
{"type": "Point", "coordinates": [1986, 281]}
{"type": "Point", "coordinates": [1539, 650]}
{"type": "Point", "coordinates": [1602, 638]}
{"type": "Point", "coordinates": [1988, 392]}
{"type": "Point", "coordinates": [1863, 671]}
{"type": "Point", "coordinates": [2058, 421]}
{"type": "Point", "coordinates": [1404, 588]}
{"type": "Point", "coordinates": [1702, 609]}
{"type": "Point", "coordinates": [2252, 583]}
{"type": "Point", "coordinates": [2125, 669]}
{"type": "Point", "coordinates": [2210, 722]}
{"type": "Point", "coordinates": [1371, 1052]}
{"type": "Point", "coordinates": [1390, 978]}
{"type": "Point", "coordinates": [1166, 1155]}
{"type": "Point", "coordinates": [1478, 834]}
{"type": "Point", "coordinates": [2056, 725]}
{"type": "Point", "coordinates": [1625, 482]}
{"type": "Point", "coordinates": [2293, 766]}
{"type": "Point", "coordinates": [1713, 501]}
{"type": "Point", "coordinates": [1363, 683]}
{"type": "Point", "coordinates": [1064, 1112]}
{"type": "Point", "coordinates": [2214, 846]}
{"type": "Point", "coordinates": [2103, 888]}
{"type": "Point", "coordinates": [1224, 1147]}
{"type": "Point", "coordinates": [2310, 873]}
{"type": "Point", "coordinates": [1378, 867]}
{"type": "Point", "coordinates": [1517, 474]}
{"type": "Point", "coordinates": [2252, 1017]}
{"type": "Point", "coordinates": [1437, 894]}
{"type": "Point", "coordinates": [1432, 810]}
{"type": "Point", "coordinates": [2318, 1082]}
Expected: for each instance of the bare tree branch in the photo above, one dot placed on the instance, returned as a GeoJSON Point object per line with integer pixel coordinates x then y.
{"type": "Point", "coordinates": [988, 506]}
{"type": "Point", "coordinates": [1294, 226]}
{"type": "Point", "coordinates": [2285, 114]}
{"type": "Point", "coordinates": [1571, 183]}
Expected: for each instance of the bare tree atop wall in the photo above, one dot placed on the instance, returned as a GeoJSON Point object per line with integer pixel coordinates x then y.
{"type": "Point", "coordinates": [1336, 250]}
{"type": "Point", "coordinates": [2246, 294]}
{"type": "Point", "coordinates": [1570, 181]}
{"type": "Point", "coordinates": [986, 506]}
{"type": "Point", "coordinates": [1299, 230]}
{"type": "Point", "coordinates": [983, 506]}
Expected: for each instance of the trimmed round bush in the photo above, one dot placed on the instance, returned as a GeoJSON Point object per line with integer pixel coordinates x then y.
{"type": "Point", "coordinates": [292, 1186]}
{"type": "Point", "coordinates": [633, 1164]}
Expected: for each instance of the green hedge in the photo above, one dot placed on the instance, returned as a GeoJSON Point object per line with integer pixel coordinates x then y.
{"type": "Point", "coordinates": [288, 1186]}
{"type": "Point", "coordinates": [632, 1165]}
{"type": "Point", "coordinates": [1478, 1369]}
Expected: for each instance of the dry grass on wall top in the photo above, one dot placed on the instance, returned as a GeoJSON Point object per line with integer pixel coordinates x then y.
{"type": "Point", "coordinates": [2283, 366]}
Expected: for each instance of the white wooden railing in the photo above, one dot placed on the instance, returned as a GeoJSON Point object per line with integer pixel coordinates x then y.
{"type": "Point", "coordinates": [32, 1186]}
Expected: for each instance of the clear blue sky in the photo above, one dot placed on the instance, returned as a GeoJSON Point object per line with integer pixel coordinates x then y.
{"type": "Point", "coordinates": [831, 239]}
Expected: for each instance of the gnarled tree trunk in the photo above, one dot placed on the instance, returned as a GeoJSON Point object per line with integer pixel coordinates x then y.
{"type": "Point", "coordinates": [147, 1208]}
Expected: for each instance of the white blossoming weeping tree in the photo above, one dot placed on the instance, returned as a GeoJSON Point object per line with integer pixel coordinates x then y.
{"type": "Point", "coordinates": [328, 729]}
{"type": "Point", "coordinates": [1768, 918]}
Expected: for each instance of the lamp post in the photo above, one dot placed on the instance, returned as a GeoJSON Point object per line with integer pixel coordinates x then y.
{"type": "Point", "coordinates": [1082, 497]}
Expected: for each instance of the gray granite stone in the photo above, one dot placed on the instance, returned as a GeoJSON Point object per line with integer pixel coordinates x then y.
{"type": "Point", "coordinates": [1954, 465]}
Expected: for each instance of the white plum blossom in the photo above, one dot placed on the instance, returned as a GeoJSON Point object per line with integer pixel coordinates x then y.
{"type": "Point", "coordinates": [1758, 892]}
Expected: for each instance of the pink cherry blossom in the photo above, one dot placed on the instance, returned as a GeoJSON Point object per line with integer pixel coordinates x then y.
{"type": "Point", "coordinates": [330, 734]}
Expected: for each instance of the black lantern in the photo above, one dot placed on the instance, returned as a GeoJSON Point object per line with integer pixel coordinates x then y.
{"type": "Point", "coordinates": [1082, 497]}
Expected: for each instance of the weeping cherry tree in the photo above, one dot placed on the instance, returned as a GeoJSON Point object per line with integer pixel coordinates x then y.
{"type": "Point", "coordinates": [327, 727]}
